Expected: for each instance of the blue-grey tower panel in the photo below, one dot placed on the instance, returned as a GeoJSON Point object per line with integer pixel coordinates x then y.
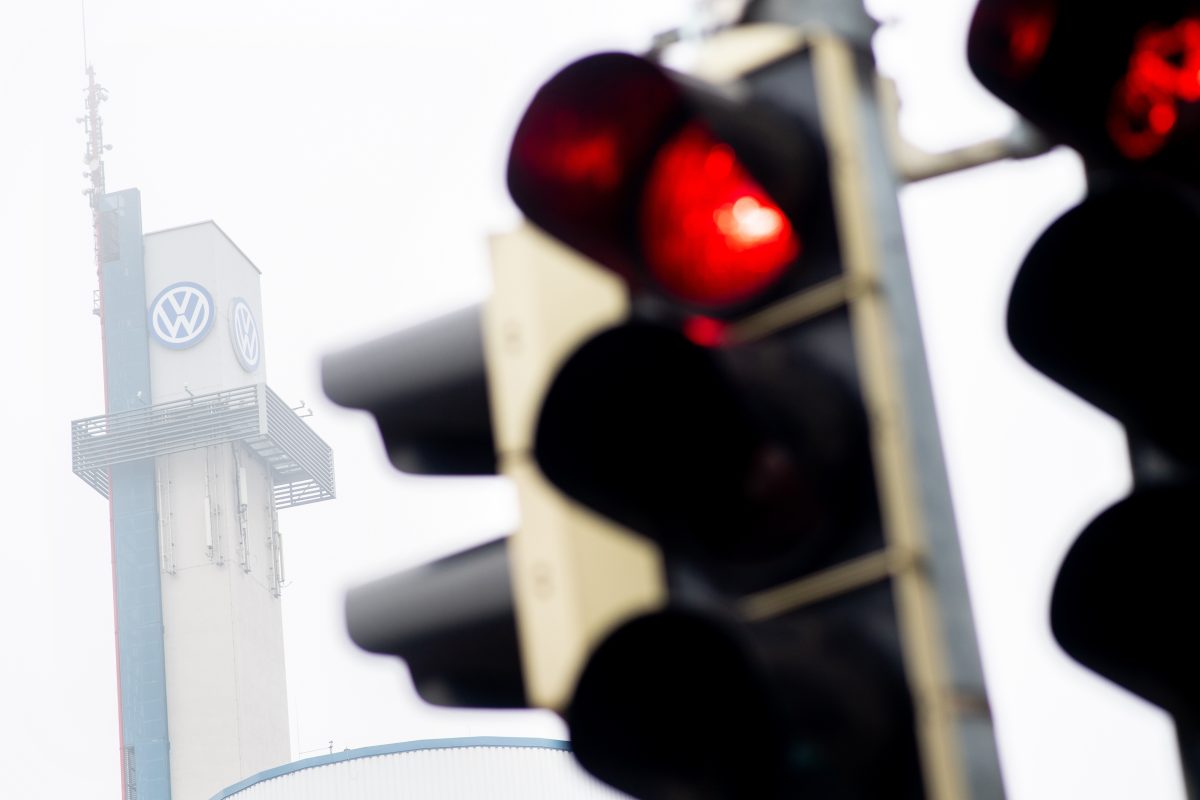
{"type": "Point", "coordinates": [142, 672]}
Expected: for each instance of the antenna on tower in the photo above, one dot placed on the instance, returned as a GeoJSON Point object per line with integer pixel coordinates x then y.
{"type": "Point", "coordinates": [95, 95]}
{"type": "Point", "coordinates": [93, 156]}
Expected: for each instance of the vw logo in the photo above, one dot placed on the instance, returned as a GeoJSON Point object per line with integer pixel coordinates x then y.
{"type": "Point", "coordinates": [181, 315]}
{"type": "Point", "coordinates": [243, 330]}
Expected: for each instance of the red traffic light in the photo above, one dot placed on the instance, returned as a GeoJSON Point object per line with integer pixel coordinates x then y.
{"type": "Point", "coordinates": [1162, 78]}
{"type": "Point", "coordinates": [711, 235]}
{"type": "Point", "coordinates": [1120, 84]}
{"type": "Point", "coordinates": [681, 190]}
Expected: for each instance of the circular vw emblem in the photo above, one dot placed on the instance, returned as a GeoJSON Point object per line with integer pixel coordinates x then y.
{"type": "Point", "coordinates": [181, 314]}
{"type": "Point", "coordinates": [243, 330]}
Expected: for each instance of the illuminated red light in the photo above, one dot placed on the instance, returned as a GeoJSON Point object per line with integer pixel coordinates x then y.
{"type": "Point", "coordinates": [711, 235]}
{"type": "Point", "coordinates": [1164, 71]}
{"type": "Point", "coordinates": [704, 331]}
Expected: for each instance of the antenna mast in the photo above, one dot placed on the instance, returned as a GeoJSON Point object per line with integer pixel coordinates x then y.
{"type": "Point", "coordinates": [94, 155]}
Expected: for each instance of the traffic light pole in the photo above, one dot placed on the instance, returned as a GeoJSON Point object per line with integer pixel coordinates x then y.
{"type": "Point", "coordinates": [953, 717]}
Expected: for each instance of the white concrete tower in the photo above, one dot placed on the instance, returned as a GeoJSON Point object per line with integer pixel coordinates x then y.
{"type": "Point", "coordinates": [197, 458]}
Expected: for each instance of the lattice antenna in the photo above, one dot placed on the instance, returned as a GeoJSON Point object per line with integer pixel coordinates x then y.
{"type": "Point", "coordinates": [93, 157]}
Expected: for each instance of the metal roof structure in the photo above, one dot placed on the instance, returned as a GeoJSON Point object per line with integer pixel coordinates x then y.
{"type": "Point", "coordinates": [495, 767]}
{"type": "Point", "coordinates": [300, 462]}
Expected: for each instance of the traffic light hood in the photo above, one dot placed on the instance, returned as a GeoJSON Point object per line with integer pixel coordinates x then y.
{"type": "Point", "coordinates": [452, 622]}
{"type": "Point", "coordinates": [427, 389]}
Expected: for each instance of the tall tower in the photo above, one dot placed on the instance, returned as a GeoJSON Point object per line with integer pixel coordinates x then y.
{"type": "Point", "coordinates": [196, 456]}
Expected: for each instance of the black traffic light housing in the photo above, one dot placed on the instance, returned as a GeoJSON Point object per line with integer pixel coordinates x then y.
{"type": "Point", "coordinates": [453, 620]}
{"type": "Point", "coordinates": [1103, 305]}
{"type": "Point", "coordinates": [713, 425]}
{"type": "Point", "coordinates": [730, 427]}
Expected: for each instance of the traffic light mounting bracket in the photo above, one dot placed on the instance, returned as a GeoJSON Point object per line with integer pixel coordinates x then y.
{"type": "Point", "coordinates": [914, 164]}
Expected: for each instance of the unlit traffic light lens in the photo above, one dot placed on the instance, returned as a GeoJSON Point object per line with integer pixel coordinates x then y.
{"type": "Point", "coordinates": [1010, 39]}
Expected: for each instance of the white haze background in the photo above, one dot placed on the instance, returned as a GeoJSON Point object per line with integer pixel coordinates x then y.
{"type": "Point", "coordinates": [355, 152]}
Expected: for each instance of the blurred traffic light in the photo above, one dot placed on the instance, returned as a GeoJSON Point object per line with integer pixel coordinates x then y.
{"type": "Point", "coordinates": [1102, 305]}
{"type": "Point", "coordinates": [427, 388]}
{"type": "Point", "coordinates": [452, 622]}
{"type": "Point", "coordinates": [736, 572]}
{"type": "Point", "coordinates": [726, 421]}
{"type": "Point", "coordinates": [1122, 86]}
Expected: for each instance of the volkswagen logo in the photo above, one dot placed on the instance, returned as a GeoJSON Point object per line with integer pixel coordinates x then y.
{"type": "Point", "coordinates": [243, 330]}
{"type": "Point", "coordinates": [181, 315]}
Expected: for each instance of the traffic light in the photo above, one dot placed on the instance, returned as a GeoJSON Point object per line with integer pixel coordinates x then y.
{"type": "Point", "coordinates": [736, 572]}
{"type": "Point", "coordinates": [1119, 86]}
{"type": "Point", "coordinates": [1102, 305]}
{"type": "Point", "coordinates": [750, 418]}
{"type": "Point", "coordinates": [505, 624]}
{"type": "Point", "coordinates": [452, 621]}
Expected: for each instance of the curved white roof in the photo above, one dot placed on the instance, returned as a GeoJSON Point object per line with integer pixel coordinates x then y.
{"type": "Point", "coordinates": [497, 768]}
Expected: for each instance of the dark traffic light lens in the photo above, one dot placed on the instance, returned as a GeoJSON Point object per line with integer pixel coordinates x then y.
{"type": "Point", "coordinates": [751, 462]}
{"type": "Point", "coordinates": [686, 704]}
{"type": "Point", "coordinates": [711, 234]}
{"type": "Point", "coordinates": [1009, 39]}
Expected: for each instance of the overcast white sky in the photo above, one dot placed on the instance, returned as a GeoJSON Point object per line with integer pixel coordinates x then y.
{"type": "Point", "coordinates": [355, 152]}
